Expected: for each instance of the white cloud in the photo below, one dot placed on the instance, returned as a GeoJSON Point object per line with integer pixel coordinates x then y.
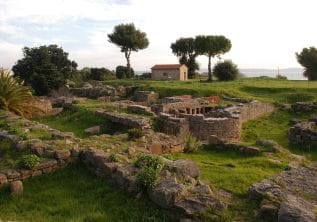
{"type": "Point", "coordinates": [264, 34]}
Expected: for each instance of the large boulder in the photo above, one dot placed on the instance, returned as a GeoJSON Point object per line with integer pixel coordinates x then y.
{"type": "Point", "coordinates": [93, 130]}
{"type": "Point", "coordinates": [294, 209]}
{"type": "Point", "coordinates": [16, 187]}
{"type": "Point", "coordinates": [167, 193]}
{"type": "Point", "coordinates": [185, 168]}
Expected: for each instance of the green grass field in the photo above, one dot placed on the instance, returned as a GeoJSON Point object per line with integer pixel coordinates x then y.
{"type": "Point", "coordinates": [265, 89]}
{"type": "Point", "coordinates": [74, 195]}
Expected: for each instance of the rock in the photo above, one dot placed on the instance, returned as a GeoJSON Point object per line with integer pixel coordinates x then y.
{"type": "Point", "coordinates": [93, 130]}
{"type": "Point", "coordinates": [294, 121]}
{"type": "Point", "coordinates": [12, 174]}
{"type": "Point", "coordinates": [259, 190]}
{"type": "Point", "coordinates": [214, 140]}
{"type": "Point", "coordinates": [131, 151]}
{"type": "Point", "coordinates": [268, 211]}
{"type": "Point", "coordinates": [252, 150]}
{"type": "Point", "coordinates": [185, 168]}
{"type": "Point", "coordinates": [3, 179]}
{"type": "Point", "coordinates": [296, 210]}
{"type": "Point", "coordinates": [62, 154]}
{"type": "Point", "coordinates": [199, 204]}
{"type": "Point", "coordinates": [87, 86]}
{"type": "Point", "coordinates": [167, 193]}
{"type": "Point", "coordinates": [264, 142]}
{"type": "Point", "coordinates": [16, 187]}
{"type": "Point", "coordinates": [155, 148]}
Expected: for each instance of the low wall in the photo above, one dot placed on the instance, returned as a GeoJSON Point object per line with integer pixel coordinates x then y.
{"type": "Point", "coordinates": [172, 125]}
{"type": "Point", "coordinates": [254, 109]}
{"type": "Point", "coordinates": [224, 128]}
{"type": "Point", "coordinates": [147, 97]}
{"type": "Point", "coordinates": [304, 134]}
{"type": "Point", "coordinates": [61, 159]}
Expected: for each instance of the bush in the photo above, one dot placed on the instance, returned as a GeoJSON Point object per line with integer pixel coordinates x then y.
{"type": "Point", "coordinates": [30, 161]}
{"type": "Point", "coordinates": [16, 98]}
{"type": "Point", "coordinates": [101, 74]}
{"type": "Point", "coordinates": [191, 143]}
{"type": "Point", "coordinates": [226, 71]}
{"type": "Point", "coordinates": [45, 68]}
{"type": "Point", "coordinates": [135, 134]}
{"type": "Point", "coordinates": [151, 161]}
{"type": "Point", "coordinates": [281, 77]}
{"type": "Point", "coordinates": [113, 158]}
{"type": "Point", "coordinates": [122, 72]}
{"type": "Point", "coordinates": [148, 177]}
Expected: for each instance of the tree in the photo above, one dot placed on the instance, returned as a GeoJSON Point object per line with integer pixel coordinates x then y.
{"type": "Point", "coordinates": [212, 46]}
{"type": "Point", "coordinates": [123, 72]}
{"type": "Point", "coordinates": [128, 39]}
{"type": "Point", "coordinates": [184, 49]}
{"type": "Point", "coordinates": [308, 59]}
{"type": "Point", "coordinates": [101, 74]}
{"type": "Point", "coordinates": [226, 71]}
{"type": "Point", "coordinates": [16, 97]}
{"type": "Point", "coordinates": [44, 68]}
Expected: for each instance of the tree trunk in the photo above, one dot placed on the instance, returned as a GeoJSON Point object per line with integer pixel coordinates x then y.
{"type": "Point", "coordinates": [127, 56]}
{"type": "Point", "coordinates": [209, 69]}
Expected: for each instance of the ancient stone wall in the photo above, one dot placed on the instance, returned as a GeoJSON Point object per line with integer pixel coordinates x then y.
{"type": "Point", "coordinates": [188, 107]}
{"type": "Point", "coordinates": [61, 159]}
{"type": "Point", "coordinates": [253, 110]}
{"type": "Point", "coordinates": [147, 97]}
{"type": "Point", "coordinates": [172, 125]}
{"type": "Point", "coordinates": [224, 128]}
{"type": "Point", "coordinates": [140, 109]}
{"type": "Point", "coordinates": [304, 134]}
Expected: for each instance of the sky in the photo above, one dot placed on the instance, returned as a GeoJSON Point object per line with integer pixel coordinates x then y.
{"type": "Point", "coordinates": [264, 33]}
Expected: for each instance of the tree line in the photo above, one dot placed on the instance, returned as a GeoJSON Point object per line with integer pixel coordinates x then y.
{"type": "Point", "coordinates": [46, 68]}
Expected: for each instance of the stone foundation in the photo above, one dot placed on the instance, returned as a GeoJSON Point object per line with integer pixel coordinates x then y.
{"type": "Point", "coordinates": [147, 97]}
{"type": "Point", "coordinates": [304, 134]}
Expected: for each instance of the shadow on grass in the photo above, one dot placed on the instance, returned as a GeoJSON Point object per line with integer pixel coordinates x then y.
{"type": "Point", "coordinates": [73, 194]}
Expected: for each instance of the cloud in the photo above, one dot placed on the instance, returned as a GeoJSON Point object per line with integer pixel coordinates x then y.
{"type": "Point", "coordinates": [264, 33]}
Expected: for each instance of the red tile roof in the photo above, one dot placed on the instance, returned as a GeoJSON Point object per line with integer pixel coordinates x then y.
{"type": "Point", "coordinates": [167, 66]}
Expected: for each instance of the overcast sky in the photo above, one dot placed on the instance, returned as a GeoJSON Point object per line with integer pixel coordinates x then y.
{"type": "Point", "coordinates": [264, 33]}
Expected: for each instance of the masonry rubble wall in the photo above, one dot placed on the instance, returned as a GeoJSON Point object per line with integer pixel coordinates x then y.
{"type": "Point", "coordinates": [140, 109]}
{"type": "Point", "coordinates": [181, 194]}
{"type": "Point", "coordinates": [61, 159]}
{"type": "Point", "coordinates": [304, 134]}
{"type": "Point", "coordinates": [224, 123]}
{"type": "Point", "coordinates": [147, 97]}
{"type": "Point", "coordinates": [187, 107]}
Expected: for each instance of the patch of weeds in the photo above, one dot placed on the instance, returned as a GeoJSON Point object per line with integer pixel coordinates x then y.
{"type": "Point", "coordinates": [114, 157]}
{"type": "Point", "coordinates": [148, 177]}
{"type": "Point", "coordinates": [135, 134]}
{"type": "Point", "coordinates": [151, 161]}
{"type": "Point", "coordinates": [191, 143]}
{"type": "Point", "coordinates": [30, 161]}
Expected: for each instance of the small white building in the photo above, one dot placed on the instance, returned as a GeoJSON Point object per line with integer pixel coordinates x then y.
{"type": "Point", "coordinates": [169, 72]}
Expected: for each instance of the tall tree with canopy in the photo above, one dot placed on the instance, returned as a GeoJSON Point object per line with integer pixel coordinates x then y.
{"type": "Point", "coordinates": [184, 49]}
{"type": "Point", "coordinates": [308, 59]}
{"type": "Point", "coordinates": [44, 68]}
{"type": "Point", "coordinates": [128, 39]}
{"type": "Point", "coordinates": [212, 46]}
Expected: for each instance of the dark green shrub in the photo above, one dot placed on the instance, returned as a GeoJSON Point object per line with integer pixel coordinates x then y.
{"type": "Point", "coordinates": [30, 161]}
{"type": "Point", "coordinates": [75, 101]}
{"type": "Point", "coordinates": [101, 74]}
{"type": "Point", "coordinates": [151, 161]}
{"type": "Point", "coordinates": [226, 71]}
{"type": "Point", "coordinates": [191, 143]}
{"type": "Point", "coordinates": [135, 134]}
{"type": "Point", "coordinates": [122, 72]}
{"type": "Point", "coordinates": [148, 177]}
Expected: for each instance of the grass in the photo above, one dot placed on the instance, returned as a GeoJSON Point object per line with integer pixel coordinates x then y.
{"type": "Point", "coordinates": [79, 120]}
{"type": "Point", "coordinates": [267, 89]}
{"type": "Point", "coordinates": [73, 194]}
{"type": "Point", "coordinates": [275, 127]}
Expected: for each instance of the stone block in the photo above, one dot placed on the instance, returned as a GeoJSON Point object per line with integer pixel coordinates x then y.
{"type": "Point", "coordinates": [16, 187]}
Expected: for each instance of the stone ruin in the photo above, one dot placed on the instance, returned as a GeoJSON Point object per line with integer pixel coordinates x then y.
{"type": "Point", "coordinates": [304, 133]}
{"type": "Point", "coordinates": [203, 121]}
{"type": "Point", "coordinates": [96, 89]}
